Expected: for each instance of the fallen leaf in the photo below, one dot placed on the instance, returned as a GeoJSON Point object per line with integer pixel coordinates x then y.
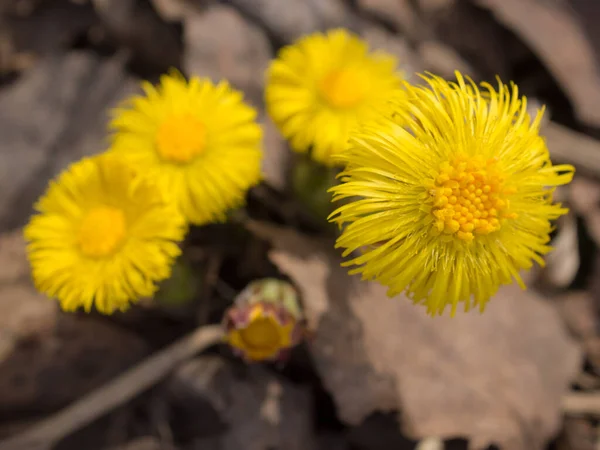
{"type": "Point", "coordinates": [577, 434]}
{"type": "Point", "coordinates": [43, 28]}
{"type": "Point", "coordinates": [496, 377]}
{"type": "Point", "coordinates": [13, 263]}
{"type": "Point", "coordinates": [552, 31]}
{"type": "Point", "coordinates": [49, 358]}
{"type": "Point", "coordinates": [443, 60]}
{"type": "Point", "coordinates": [472, 33]}
{"type": "Point", "coordinates": [138, 27]}
{"type": "Point", "coordinates": [287, 21]}
{"type": "Point", "coordinates": [174, 10]}
{"type": "Point", "coordinates": [584, 194]}
{"type": "Point", "coordinates": [378, 39]}
{"type": "Point", "coordinates": [253, 408]}
{"type": "Point", "coordinates": [143, 443]}
{"type": "Point", "coordinates": [25, 314]}
{"type": "Point", "coordinates": [577, 309]}
{"type": "Point", "coordinates": [51, 116]}
{"type": "Point", "coordinates": [222, 45]}
{"type": "Point", "coordinates": [401, 13]}
{"type": "Point", "coordinates": [562, 264]}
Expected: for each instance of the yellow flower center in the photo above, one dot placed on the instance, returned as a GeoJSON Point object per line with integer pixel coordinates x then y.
{"type": "Point", "coordinates": [470, 197]}
{"type": "Point", "coordinates": [181, 138]}
{"type": "Point", "coordinates": [102, 230]}
{"type": "Point", "coordinates": [262, 332]}
{"type": "Point", "coordinates": [343, 88]}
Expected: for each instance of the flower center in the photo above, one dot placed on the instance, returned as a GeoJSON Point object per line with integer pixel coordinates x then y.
{"type": "Point", "coordinates": [181, 138]}
{"type": "Point", "coordinates": [262, 332]}
{"type": "Point", "coordinates": [470, 197]}
{"type": "Point", "coordinates": [102, 231]}
{"type": "Point", "coordinates": [343, 88]}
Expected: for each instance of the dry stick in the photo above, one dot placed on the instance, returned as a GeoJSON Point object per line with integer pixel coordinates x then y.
{"type": "Point", "coordinates": [577, 403]}
{"type": "Point", "coordinates": [118, 391]}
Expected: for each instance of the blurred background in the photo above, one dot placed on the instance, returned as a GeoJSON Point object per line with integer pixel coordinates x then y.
{"type": "Point", "coordinates": [374, 374]}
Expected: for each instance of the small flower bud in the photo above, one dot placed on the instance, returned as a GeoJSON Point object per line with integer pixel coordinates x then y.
{"type": "Point", "coordinates": [265, 320]}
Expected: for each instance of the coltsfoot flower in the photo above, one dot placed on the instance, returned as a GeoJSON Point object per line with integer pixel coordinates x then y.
{"type": "Point", "coordinates": [320, 87]}
{"type": "Point", "coordinates": [103, 236]}
{"type": "Point", "coordinates": [199, 141]}
{"type": "Point", "coordinates": [265, 321]}
{"type": "Point", "coordinates": [455, 201]}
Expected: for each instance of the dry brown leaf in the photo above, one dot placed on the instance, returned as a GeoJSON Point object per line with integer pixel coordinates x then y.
{"type": "Point", "coordinates": [578, 434]}
{"type": "Point", "coordinates": [143, 443]}
{"type": "Point", "coordinates": [562, 265]}
{"type": "Point", "coordinates": [435, 6]}
{"type": "Point", "coordinates": [257, 409]}
{"type": "Point", "coordinates": [45, 124]}
{"type": "Point", "coordinates": [555, 35]}
{"type": "Point", "coordinates": [287, 21]}
{"type": "Point", "coordinates": [496, 377]}
{"type": "Point", "coordinates": [173, 10]}
{"type": "Point", "coordinates": [24, 314]}
{"type": "Point", "coordinates": [443, 60]}
{"type": "Point", "coordinates": [472, 33]}
{"type": "Point", "coordinates": [399, 12]}
{"type": "Point", "coordinates": [578, 312]}
{"type": "Point", "coordinates": [48, 358]}
{"type": "Point", "coordinates": [584, 194]}
{"type": "Point", "coordinates": [42, 28]}
{"type": "Point", "coordinates": [139, 28]}
{"type": "Point", "coordinates": [436, 56]}
{"type": "Point", "coordinates": [379, 39]}
{"type": "Point", "coordinates": [221, 44]}
{"type": "Point", "coordinates": [13, 264]}
{"type": "Point", "coordinates": [592, 221]}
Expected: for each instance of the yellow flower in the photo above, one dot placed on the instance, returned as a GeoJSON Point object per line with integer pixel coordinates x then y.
{"type": "Point", "coordinates": [199, 141]}
{"type": "Point", "coordinates": [103, 236]}
{"type": "Point", "coordinates": [260, 331]}
{"type": "Point", "coordinates": [321, 86]}
{"type": "Point", "coordinates": [453, 203]}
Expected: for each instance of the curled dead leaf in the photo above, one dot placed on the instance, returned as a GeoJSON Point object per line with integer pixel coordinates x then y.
{"type": "Point", "coordinates": [553, 32]}
{"type": "Point", "coordinates": [495, 378]}
{"type": "Point", "coordinates": [563, 263]}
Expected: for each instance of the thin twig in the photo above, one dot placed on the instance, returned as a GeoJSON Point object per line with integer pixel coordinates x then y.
{"type": "Point", "coordinates": [117, 392]}
{"type": "Point", "coordinates": [582, 403]}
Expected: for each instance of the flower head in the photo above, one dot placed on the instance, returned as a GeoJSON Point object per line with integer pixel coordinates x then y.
{"type": "Point", "coordinates": [199, 141]}
{"type": "Point", "coordinates": [455, 201]}
{"type": "Point", "coordinates": [319, 88]}
{"type": "Point", "coordinates": [103, 236]}
{"type": "Point", "coordinates": [265, 321]}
